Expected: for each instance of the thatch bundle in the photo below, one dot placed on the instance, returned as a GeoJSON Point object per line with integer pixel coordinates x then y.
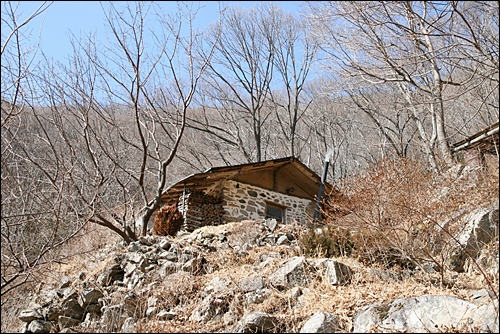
{"type": "Point", "coordinates": [168, 221]}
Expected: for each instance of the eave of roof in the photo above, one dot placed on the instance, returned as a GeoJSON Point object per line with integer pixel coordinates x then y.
{"type": "Point", "coordinates": [213, 175]}
{"type": "Point", "coordinates": [476, 139]}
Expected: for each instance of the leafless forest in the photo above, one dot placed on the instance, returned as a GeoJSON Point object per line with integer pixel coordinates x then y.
{"type": "Point", "coordinates": [97, 139]}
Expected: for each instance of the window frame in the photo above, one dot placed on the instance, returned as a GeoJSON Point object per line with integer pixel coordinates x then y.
{"type": "Point", "coordinates": [275, 205]}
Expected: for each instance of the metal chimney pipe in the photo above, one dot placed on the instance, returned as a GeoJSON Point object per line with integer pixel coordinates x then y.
{"type": "Point", "coordinates": [321, 186]}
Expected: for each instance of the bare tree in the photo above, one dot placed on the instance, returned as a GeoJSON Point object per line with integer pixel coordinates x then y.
{"type": "Point", "coordinates": [36, 221]}
{"type": "Point", "coordinates": [390, 116]}
{"type": "Point", "coordinates": [155, 89]}
{"type": "Point", "coordinates": [239, 79]}
{"type": "Point", "coordinates": [294, 55]}
{"type": "Point", "coordinates": [100, 134]}
{"type": "Point", "coordinates": [411, 46]}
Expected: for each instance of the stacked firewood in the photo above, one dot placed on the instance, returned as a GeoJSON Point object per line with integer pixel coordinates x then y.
{"type": "Point", "coordinates": [202, 210]}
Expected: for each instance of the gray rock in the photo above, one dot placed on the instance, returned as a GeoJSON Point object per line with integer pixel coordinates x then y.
{"type": "Point", "coordinates": [151, 312]}
{"type": "Point", "coordinates": [257, 296]}
{"type": "Point", "coordinates": [251, 284]}
{"type": "Point", "coordinates": [291, 274]}
{"type": "Point", "coordinates": [65, 282]}
{"type": "Point", "coordinates": [134, 257]}
{"type": "Point", "coordinates": [385, 275]}
{"type": "Point", "coordinates": [481, 226]}
{"type": "Point", "coordinates": [129, 325]}
{"type": "Point", "coordinates": [270, 223]}
{"type": "Point", "coordinates": [321, 322]}
{"type": "Point", "coordinates": [483, 296]}
{"type": "Point", "coordinates": [165, 315]}
{"type": "Point", "coordinates": [52, 312]}
{"type": "Point", "coordinates": [191, 250]}
{"type": "Point", "coordinates": [146, 266]}
{"type": "Point", "coordinates": [295, 292]}
{"type": "Point", "coordinates": [66, 294]}
{"type": "Point", "coordinates": [48, 297]}
{"type": "Point", "coordinates": [66, 322]}
{"type": "Point", "coordinates": [90, 296]}
{"type": "Point", "coordinates": [110, 275]}
{"type": "Point", "coordinates": [24, 328]}
{"type": "Point", "coordinates": [422, 313]}
{"type": "Point", "coordinates": [170, 256]}
{"type": "Point", "coordinates": [167, 268]}
{"type": "Point", "coordinates": [164, 244]}
{"type": "Point", "coordinates": [185, 257]}
{"type": "Point", "coordinates": [134, 246]}
{"type": "Point", "coordinates": [71, 308]}
{"type": "Point", "coordinates": [211, 306]}
{"type": "Point", "coordinates": [128, 269]}
{"type": "Point", "coordinates": [94, 308]}
{"type": "Point", "coordinates": [217, 284]}
{"type": "Point", "coordinates": [193, 266]}
{"type": "Point", "coordinates": [283, 239]}
{"type": "Point", "coordinates": [336, 273]}
{"type": "Point", "coordinates": [259, 322]}
{"type": "Point", "coordinates": [135, 279]}
{"type": "Point", "coordinates": [487, 260]}
{"type": "Point", "coordinates": [152, 301]}
{"type": "Point", "coordinates": [29, 315]}
{"type": "Point", "coordinates": [419, 314]}
{"type": "Point", "coordinates": [368, 318]}
{"type": "Point", "coordinates": [40, 326]}
{"type": "Point", "coordinates": [486, 318]}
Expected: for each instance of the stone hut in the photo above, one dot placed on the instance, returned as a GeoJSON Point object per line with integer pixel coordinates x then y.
{"type": "Point", "coordinates": [284, 189]}
{"type": "Point", "coordinates": [480, 149]}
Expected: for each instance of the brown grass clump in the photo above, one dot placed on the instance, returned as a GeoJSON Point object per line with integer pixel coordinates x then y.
{"type": "Point", "coordinates": [168, 221]}
{"type": "Point", "coordinates": [328, 241]}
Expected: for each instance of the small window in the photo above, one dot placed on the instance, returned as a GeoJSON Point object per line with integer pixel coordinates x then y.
{"type": "Point", "coordinates": [275, 211]}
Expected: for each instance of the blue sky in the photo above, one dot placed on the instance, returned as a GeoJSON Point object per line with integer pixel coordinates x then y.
{"type": "Point", "coordinates": [83, 17]}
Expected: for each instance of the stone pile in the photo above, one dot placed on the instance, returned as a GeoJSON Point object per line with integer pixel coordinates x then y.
{"type": "Point", "coordinates": [119, 297]}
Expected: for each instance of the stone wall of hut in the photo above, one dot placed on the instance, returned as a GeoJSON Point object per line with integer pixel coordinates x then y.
{"type": "Point", "coordinates": [243, 201]}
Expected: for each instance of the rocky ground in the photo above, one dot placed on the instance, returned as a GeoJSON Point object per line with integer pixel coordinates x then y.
{"type": "Point", "coordinates": [252, 276]}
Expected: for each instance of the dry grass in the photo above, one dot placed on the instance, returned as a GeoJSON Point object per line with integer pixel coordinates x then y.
{"type": "Point", "coordinates": [182, 292]}
{"type": "Point", "coordinates": [79, 254]}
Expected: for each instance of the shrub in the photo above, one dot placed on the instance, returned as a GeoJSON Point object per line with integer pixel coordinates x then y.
{"type": "Point", "coordinates": [326, 242]}
{"type": "Point", "coordinates": [396, 210]}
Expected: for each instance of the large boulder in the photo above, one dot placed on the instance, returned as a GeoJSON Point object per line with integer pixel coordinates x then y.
{"type": "Point", "coordinates": [480, 227]}
{"type": "Point", "coordinates": [292, 273]}
{"type": "Point", "coordinates": [336, 273]}
{"type": "Point", "coordinates": [40, 326]}
{"type": "Point", "coordinates": [425, 314]}
{"type": "Point", "coordinates": [29, 315]}
{"type": "Point", "coordinates": [321, 322]}
{"type": "Point", "coordinates": [260, 322]}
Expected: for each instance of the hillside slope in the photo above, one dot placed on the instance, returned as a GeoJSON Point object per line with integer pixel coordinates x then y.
{"type": "Point", "coordinates": [258, 275]}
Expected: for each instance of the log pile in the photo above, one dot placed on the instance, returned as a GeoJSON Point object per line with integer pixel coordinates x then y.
{"type": "Point", "coordinates": [202, 210]}
{"type": "Point", "coordinates": [168, 221]}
